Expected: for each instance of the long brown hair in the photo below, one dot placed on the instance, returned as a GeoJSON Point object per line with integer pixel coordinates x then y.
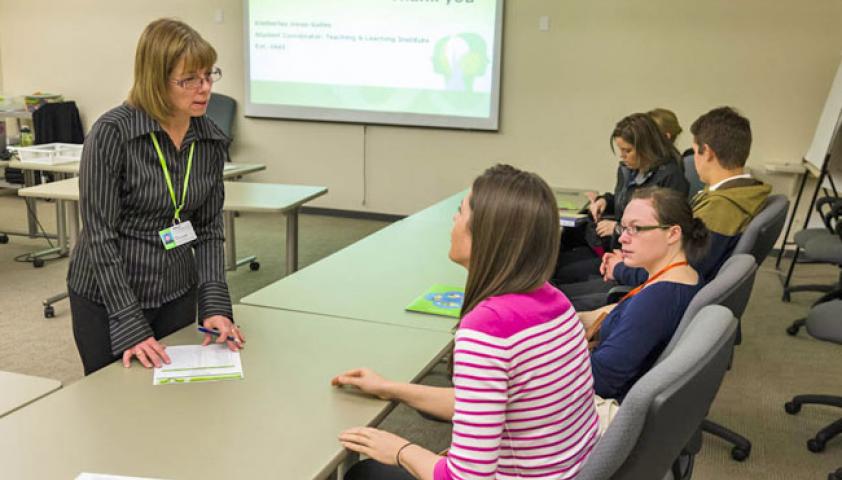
{"type": "Point", "coordinates": [514, 234]}
{"type": "Point", "coordinates": [651, 145]}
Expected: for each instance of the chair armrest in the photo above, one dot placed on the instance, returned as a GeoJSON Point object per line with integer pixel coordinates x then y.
{"type": "Point", "coordinates": [616, 293]}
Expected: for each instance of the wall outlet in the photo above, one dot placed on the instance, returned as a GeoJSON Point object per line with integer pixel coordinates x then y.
{"type": "Point", "coordinates": [544, 23]}
{"type": "Point", "coordinates": [219, 15]}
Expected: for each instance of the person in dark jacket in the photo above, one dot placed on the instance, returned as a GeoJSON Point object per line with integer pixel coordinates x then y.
{"type": "Point", "coordinates": [647, 159]}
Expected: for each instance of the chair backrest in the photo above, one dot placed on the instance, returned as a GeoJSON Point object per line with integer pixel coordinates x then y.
{"type": "Point", "coordinates": [691, 174]}
{"type": "Point", "coordinates": [731, 288]}
{"type": "Point", "coordinates": [221, 110]}
{"type": "Point", "coordinates": [764, 229]}
{"type": "Point", "coordinates": [665, 408]}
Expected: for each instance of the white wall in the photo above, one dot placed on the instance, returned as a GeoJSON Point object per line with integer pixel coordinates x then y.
{"type": "Point", "coordinates": [563, 90]}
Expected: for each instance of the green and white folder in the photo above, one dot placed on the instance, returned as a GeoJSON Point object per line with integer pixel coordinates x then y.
{"type": "Point", "coordinates": [439, 299]}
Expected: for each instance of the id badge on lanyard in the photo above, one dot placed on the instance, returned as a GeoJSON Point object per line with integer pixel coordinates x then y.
{"type": "Point", "coordinates": [180, 233]}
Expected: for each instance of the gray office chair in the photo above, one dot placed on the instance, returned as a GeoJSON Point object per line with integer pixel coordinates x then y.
{"type": "Point", "coordinates": [690, 173]}
{"type": "Point", "coordinates": [663, 409]}
{"type": "Point", "coordinates": [827, 248]}
{"type": "Point", "coordinates": [730, 288]}
{"type": "Point", "coordinates": [818, 245]}
{"type": "Point", "coordinates": [221, 110]}
{"type": "Point", "coordinates": [825, 323]}
{"type": "Point", "coordinates": [763, 231]}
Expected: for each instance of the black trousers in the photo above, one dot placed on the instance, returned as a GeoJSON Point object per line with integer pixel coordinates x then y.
{"type": "Point", "coordinates": [373, 470]}
{"type": "Point", "coordinates": [93, 339]}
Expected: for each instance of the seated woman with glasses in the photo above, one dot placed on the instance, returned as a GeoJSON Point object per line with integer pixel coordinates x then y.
{"type": "Point", "coordinates": [151, 194]}
{"type": "Point", "coordinates": [657, 233]}
{"type": "Point", "coordinates": [522, 401]}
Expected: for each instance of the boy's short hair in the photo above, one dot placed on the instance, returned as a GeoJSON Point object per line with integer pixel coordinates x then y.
{"type": "Point", "coordinates": [727, 132]}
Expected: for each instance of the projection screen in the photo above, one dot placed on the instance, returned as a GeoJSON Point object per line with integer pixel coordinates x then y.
{"type": "Point", "coordinates": [432, 63]}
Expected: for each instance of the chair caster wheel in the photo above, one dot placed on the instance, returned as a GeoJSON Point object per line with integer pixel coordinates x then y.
{"type": "Point", "coordinates": [815, 445]}
{"type": "Point", "coordinates": [4, 239]}
{"type": "Point", "coordinates": [785, 298]}
{"type": "Point", "coordinates": [37, 262]}
{"type": "Point", "coordinates": [49, 312]}
{"type": "Point", "coordinates": [792, 330]}
{"type": "Point", "coordinates": [254, 266]}
{"type": "Point", "coordinates": [792, 408]}
{"type": "Point", "coordinates": [739, 454]}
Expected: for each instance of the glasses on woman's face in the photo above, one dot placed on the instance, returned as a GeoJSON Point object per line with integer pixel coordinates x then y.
{"type": "Point", "coordinates": [634, 230]}
{"type": "Point", "coordinates": [194, 82]}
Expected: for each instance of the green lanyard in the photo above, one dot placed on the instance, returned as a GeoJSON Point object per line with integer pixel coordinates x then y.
{"type": "Point", "coordinates": [178, 207]}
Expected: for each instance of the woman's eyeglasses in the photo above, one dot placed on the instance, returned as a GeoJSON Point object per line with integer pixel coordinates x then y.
{"type": "Point", "coordinates": [633, 230]}
{"type": "Point", "coordinates": [195, 81]}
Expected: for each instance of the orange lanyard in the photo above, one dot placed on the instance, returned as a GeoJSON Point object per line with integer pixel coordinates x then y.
{"type": "Point", "coordinates": [651, 279]}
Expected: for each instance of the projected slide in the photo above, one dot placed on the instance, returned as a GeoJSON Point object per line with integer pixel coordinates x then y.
{"type": "Point", "coordinates": [417, 62]}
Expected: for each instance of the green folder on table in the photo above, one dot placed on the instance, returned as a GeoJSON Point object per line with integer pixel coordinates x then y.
{"type": "Point", "coordinates": [439, 300]}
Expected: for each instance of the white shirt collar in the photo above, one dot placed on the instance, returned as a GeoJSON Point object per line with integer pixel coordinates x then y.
{"type": "Point", "coordinates": [719, 184]}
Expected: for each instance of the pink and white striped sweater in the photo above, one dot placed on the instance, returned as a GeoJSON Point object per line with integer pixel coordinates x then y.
{"type": "Point", "coordinates": [524, 391]}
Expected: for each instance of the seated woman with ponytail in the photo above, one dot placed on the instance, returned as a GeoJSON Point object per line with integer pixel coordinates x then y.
{"type": "Point", "coordinates": [659, 234]}
{"type": "Point", "coordinates": [522, 402]}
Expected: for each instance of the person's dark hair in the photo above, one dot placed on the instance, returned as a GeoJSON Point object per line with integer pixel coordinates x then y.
{"type": "Point", "coordinates": [514, 234]}
{"type": "Point", "coordinates": [725, 131]}
{"type": "Point", "coordinates": [672, 208]}
{"type": "Point", "coordinates": [652, 147]}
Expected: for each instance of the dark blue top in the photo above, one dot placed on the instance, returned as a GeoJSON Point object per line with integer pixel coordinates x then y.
{"type": "Point", "coordinates": [635, 334]}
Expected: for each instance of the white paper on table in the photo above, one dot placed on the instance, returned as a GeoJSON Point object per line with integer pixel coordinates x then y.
{"type": "Point", "coordinates": [195, 363]}
{"type": "Point", "coordinates": [100, 476]}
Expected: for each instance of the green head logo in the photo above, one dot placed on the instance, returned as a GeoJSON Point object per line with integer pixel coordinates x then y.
{"type": "Point", "coordinates": [461, 59]}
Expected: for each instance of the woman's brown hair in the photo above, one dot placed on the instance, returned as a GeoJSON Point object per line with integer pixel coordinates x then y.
{"type": "Point", "coordinates": [162, 45]}
{"type": "Point", "coordinates": [515, 233]}
{"type": "Point", "coordinates": [667, 122]}
{"type": "Point", "coordinates": [672, 208]}
{"type": "Point", "coordinates": [652, 147]}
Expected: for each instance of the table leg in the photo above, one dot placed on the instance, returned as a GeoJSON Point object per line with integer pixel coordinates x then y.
{"type": "Point", "coordinates": [292, 241]}
{"type": "Point", "coordinates": [61, 227]}
{"type": "Point", "coordinates": [350, 459]}
{"type": "Point", "coordinates": [230, 242]}
{"type": "Point", "coordinates": [31, 204]}
{"type": "Point", "coordinates": [72, 238]}
{"type": "Point", "coordinates": [73, 214]}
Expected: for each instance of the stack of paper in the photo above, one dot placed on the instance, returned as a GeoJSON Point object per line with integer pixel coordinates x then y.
{"type": "Point", "coordinates": [195, 363]}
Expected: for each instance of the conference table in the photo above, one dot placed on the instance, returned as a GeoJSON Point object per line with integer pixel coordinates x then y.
{"type": "Point", "coordinates": [18, 390]}
{"type": "Point", "coordinates": [375, 278]}
{"type": "Point", "coordinates": [286, 200]}
{"type": "Point", "coordinates": [280, 421]}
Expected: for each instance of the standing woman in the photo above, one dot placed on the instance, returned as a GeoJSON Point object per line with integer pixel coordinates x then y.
{"type": "Point", "coordinates": [151, 197]}
{"type": "Point", "coordinates": [522, 401]}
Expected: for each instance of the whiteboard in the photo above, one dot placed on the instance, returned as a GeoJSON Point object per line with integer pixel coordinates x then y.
{"type": "Point", "coordinates": [828, 123]}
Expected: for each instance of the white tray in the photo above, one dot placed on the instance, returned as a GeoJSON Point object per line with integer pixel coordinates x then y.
{"type": "Point", "coordinates": [51, 153]}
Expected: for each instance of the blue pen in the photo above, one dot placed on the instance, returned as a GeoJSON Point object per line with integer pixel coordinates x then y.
{"type": "Point", "coordinates": [216, 334]}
